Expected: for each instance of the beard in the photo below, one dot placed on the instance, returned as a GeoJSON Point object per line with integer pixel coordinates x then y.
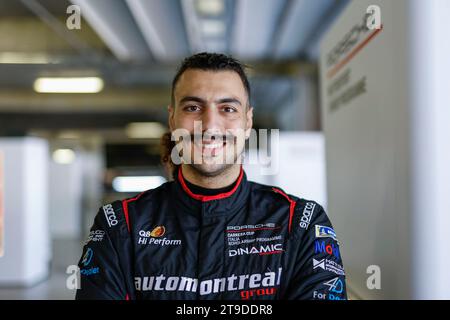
{"type": "Point", "coordinates": [211, 155]}
{"type": "Point", "coordinates": [211, 171]}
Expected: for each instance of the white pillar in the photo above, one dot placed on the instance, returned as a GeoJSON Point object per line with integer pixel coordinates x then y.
{"type": "Point", "coordinates": [429, 46]}
{"type": "Point", "coordinates": [26, 240]}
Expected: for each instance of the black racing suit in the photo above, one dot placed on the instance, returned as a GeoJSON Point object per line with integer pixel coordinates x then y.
{"type": "Point", "coordinates": [252, 242]}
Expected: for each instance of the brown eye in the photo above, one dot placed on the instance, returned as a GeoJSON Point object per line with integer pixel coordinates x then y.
{"type": "Point", "coordinates": [228, 109]}
{"type": "Point", "coordinates": [192, 108]}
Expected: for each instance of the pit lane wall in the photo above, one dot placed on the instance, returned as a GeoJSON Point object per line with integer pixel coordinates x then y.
{"type": "Point", "coordinates": [386, 109]}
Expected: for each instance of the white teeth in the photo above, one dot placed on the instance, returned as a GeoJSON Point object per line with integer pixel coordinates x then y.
{"type": "Point", "coordinates": [211, 145]}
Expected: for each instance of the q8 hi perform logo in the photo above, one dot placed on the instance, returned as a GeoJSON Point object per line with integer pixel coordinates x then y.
{"type": "Point", "coordinates": [152, 237]}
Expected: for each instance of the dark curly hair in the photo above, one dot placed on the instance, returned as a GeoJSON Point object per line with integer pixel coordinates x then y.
{"type": "Point", "coordinates": [212, 62]}
{"type": "Point", "coordinates": [166, 148]}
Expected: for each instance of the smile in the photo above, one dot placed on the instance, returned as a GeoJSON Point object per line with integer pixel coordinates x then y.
{"type": "Point", "coordinates": [210, 147]}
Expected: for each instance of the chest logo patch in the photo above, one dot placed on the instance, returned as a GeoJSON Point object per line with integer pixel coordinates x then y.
{"type": "Point", "coordinates": [154, 237]}
{"type": "Point", "coordinates": [158, 231]}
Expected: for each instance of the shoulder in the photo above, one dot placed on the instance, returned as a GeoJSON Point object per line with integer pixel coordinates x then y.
{"type": "Point", "coordinates": [116, 215]}
{"type": "Point", "coordinates": [149, 195]}
{"type": "Point", "coordinates": [268, 193]}
{"type": "Point", "coordinates": [140, 202]}
{"type": "Point", "coordinates": [304, 212]}
{"type": "Point", "coordinates": [279, 195]}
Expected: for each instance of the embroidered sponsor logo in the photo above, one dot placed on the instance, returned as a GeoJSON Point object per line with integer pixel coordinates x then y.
{"type": "Point", "coordinates": [335, 285]}
{"type": "Point", "coordinates": [95, 236]}
{"type": "Point", "coordinates": [158, 231]}
{"type": "Point", "coordinates": [252, 227]}
{"type": "Point", "coordinates": [261, 250]}
{"type": "Point", "coordinates": [325, 232]}
{"type": "Point", "coordinates": [153, 237]}
{"type": "Point", "coordinates": [90, 271]}
{"type": "Point", "coordinates": [86, 261]}
{"type": "Point", "coordinates": [322, 247]}
{"type": "Point", "coordinates": [110, 215]}
{"type": "Point", "coordinates": [210, 286]}
{"type": "Point", "coordinates": [233, 241]}
{"type": "Point", "coordinates": [325, 296]}
{"type": "Point", "coordinates": [87, 258]}
{"type": "Point", "coordinates": [328, 265]}
{"type": "Point", "coordinates": [307, 215]}
{"type": "Point", "coordinates": [247, 234]}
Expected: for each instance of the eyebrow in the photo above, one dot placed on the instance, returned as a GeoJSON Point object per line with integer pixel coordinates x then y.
{"type": "Point", "coordinates": [203, 101]}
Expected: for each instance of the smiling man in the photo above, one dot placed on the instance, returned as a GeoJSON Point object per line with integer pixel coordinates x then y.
{"type": "Point", "coordinates": [210, 233]}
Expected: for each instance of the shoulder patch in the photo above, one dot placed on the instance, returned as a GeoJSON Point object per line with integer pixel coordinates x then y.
{"type": "Point", "coordinates": [307, 214]}
{"type": "Point", "coordinates": [110, 212]}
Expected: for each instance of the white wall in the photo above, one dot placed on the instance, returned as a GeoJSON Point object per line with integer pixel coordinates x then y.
{"type": "Point", "coordinates": [385, 149]}
{"type": "Point", "coordinates": [26, 234]}
{"type": "Point", "coordinates": [301, 166]}
{"type": "Point", "coordinates": [76, 188]}
{"type": "Point", "coordinates": [65, 190]}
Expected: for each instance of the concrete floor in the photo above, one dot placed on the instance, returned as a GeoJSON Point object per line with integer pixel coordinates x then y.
{"type": "Point", "coordinates": [65, 253]}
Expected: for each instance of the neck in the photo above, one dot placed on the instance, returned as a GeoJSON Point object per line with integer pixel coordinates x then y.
{"type": "Point", "coordinates": [222, 180]}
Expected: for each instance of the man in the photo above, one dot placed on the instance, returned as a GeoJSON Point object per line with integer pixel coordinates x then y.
{"type": "Point", "coordinates": [211, 233]}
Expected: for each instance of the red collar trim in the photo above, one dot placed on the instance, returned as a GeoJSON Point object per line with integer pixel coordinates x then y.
{"type": "Point", "coordinates": [209, 198]}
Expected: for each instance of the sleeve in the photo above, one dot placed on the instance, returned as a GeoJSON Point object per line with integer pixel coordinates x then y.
{"type": "Point", "coordinates": [318, 272]}
{"type": "Point", "coordinates": [101, 266]}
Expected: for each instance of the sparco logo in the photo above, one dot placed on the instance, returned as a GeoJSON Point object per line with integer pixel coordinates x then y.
{"type": "Point", "coordinates": [261, 250]}
{"type": "Point", "coordinates": [307, 215]}
{"type": "Point", "coordinates": [110, 215]}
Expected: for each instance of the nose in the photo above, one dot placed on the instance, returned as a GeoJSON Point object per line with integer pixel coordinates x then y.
{"type": "Point", "coordinates": [211, 120]}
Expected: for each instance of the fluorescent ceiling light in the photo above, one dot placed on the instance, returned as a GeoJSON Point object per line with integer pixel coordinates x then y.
{"type": "Point", "coordinates": [137, 183]}
{"type": "Point", "coordinates": [25, 58]}
{"type": "Point", "coordinates": [145, 130]}
{"type": "Point", "coordinates": [210, 7]}
{"type": "Point", "coordinates": [68, 85]}
{"type": "Point", "coordinates": [212, 28]}
{"type": "Point", "coordinates": [69, 135]}
{"type": "Point", "coordinates": [63, 156]}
